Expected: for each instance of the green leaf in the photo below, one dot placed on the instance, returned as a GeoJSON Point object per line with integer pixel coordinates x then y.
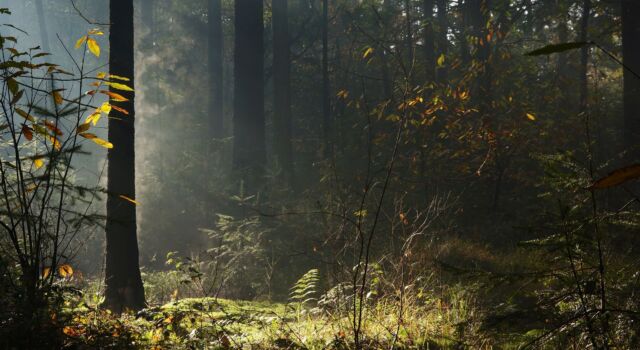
{"type": "Point", "coordinates": [549, 49]}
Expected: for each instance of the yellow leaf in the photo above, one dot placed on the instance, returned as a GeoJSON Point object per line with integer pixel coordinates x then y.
{"type": "Point", "coordinates": [105, 108]}
{"type": "Point", "coordinates": [96, 31]}
{"type": "Point", "coordinates": [38, 163]}
{"type": "Point", "coordinates": [367, 52]}
{"type": "Point", "coordinates": [46, 272]}
{"type": "Point", "coordinates": [97, 140]}
{"type": "Point", "coordinates": [440, 60]}
{"type": "Point", "coordinates": [94, 118]}
{"type": "Point", "coordinates": [531, 116]}
{"type": "Point", "coordinates": [117, 77]}
{"type": "Point", "coordinates": [65, 270]}
{"type": "Point", "coordinates": [81, 41]}
{"type": "Point", "coordinates": [101, 75]}
{"type": "Point", "coordinates": [129, 199]}
{"type": "Point", "coordinates": [119, 86]}
{"type": "Point", "coordinates": [57, 98]}
{"type": "Point", "coordinates": [93, 46]}
{"type": "Point", "coordinates": [56, 144]}
{"type": "Point", "coordinates": [360, 213]}
{"type": "Point", "coordinates": [617, 177]}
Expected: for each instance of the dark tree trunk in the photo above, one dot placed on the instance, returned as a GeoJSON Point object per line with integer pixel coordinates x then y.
{"type": "Point", "coordinates": [428, 44]}
{"type": "Point", "coordinates": [282, 88]}
{"type": "Point", "coordinates": [443, 40]}
{"type": "Point", "coordinates": [249, 154]}
{"type": "Point", "coordinates": [326, 99]}
{"type": "Point", "coordinates": [123, 283]}
{"type": "Point", "coordinates": [215, 68]}
{"type": "Point", "coordinates": [409, 36]}
{"type": "Point", "coordinates": [584, 55]}
{"type": "Point", "coordinates": [631, 54]}
{"type": "Point", "coordinates": [387, 13]}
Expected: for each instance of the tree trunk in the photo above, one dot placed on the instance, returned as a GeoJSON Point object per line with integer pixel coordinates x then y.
{"type": "Point", "coordinates": [428, 44]}
{"type": "Point", "coordinates": [443, 41]}
{"type": "Point", "coordinates": [326, 100]}
{"type": "Point", "coordinates": [387, 13]}
{"type": "Point", "coordinates": [123, 283]}
{"type": "Point", "coordinates": [631, 55]}
{"type": "Point", "coordinates": [249, 153]}
{"type": "Point", "coordinates": [409, 37]}
{"type": "Point", "coordinates": [282, 88]}
{"type": "Point", "coordinates": [584, 55]}
{"type": "Point", "coordinates": [215, 68]}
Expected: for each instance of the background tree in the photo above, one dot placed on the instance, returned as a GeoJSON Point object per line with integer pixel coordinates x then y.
{"type": "Point", "coordinates": [282, 89]}
{"type": "Point", "coordinates": [249, 149]}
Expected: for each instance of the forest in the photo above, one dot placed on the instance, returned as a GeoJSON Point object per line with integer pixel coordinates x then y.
{"type": "Point", "coordinates": [320, 174]}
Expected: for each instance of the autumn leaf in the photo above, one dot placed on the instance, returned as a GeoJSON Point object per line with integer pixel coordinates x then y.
{"type": "Point", "coordinates": [83, 127]}
{"type": "Point", "coordinates": [118, 77]}
{"type": "Point", "coordinates": [96, 31]}
{"type": "Point", "coordinates": [46, 272]}
{"type": "Point", "coordinates": [367, 52]}
{"type": "Point", "coordinates": [105, 108]}
{"type": "Point", "coordinates": [129, 199]}
{"type": "Point", "coordinates": [119, 86]}
{"type": "Point", "coordinates": [56, 144]}
{"type": "Point", "coordinates": [531, 116]}
{"type": "Point", "coordinates": [26, 131]}
{"type": "Point", "coordinates": [93, 46]}
{"type": "Point", "coordinates": [97, 140]}
{"type": "Point", "coordinates": [440, 60]}
{"type": "Point", "coordinates": [94, 117]}
{"type": "Point", "coordinates": [81, 41]}
{"type": "Point", "coordinates": [121, 110]}
{"type": "Point", "coordinates": [52, 126]}
{"type": "Point", "coordinates": [38, 163]}
{"type": "Point", "coordinates": [114, 96]}
{"type": "Point", "coordinates": [57, 98]}
{"type": "Point", "coordinates": [65, 270]}
{"type": "Point", "coordinates": [617, 177]}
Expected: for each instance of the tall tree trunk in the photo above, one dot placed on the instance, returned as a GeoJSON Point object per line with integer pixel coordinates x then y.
{"type": "Point", "coordinates": [215, 68]}
{"type": "Point", "coordinates": [282, 88]}
{"type": "Point", "coordinates": [249, 153]}
{"type": "Point", "coordinates": [326, 99]}
{"type": "Point", "coordinates": [409, 37]}
{"type": "Point", "coordinates": [123, 283]}
{"type": "Point", "coordinates": [443, 41]}
{"type": "Point", "coordinates": [428, 44]}
{"type": "Point", "coordinates": [584, 55]}
{"type": "Point", "coordinates": [387, 13]}
{"type": "Point", "coordinates": [631, 55]}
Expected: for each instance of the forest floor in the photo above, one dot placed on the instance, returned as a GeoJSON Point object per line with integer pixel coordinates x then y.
{"type": "Point", "coordinates": [208, 323]}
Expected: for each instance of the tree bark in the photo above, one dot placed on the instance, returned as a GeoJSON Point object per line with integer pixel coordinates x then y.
{"type": "Point", "coordinates": [215, 68]}
{"type": "Point", "coordinates": [282, 88]}
{"type": "Point", "coordinates": [123, 283]}
{"type": "Point", "coordinates": [631, 56]}
{"type": "Point", "coordinates": [249, 153]}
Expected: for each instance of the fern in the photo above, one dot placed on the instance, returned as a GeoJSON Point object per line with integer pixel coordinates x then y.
{"type": "Point", "coordinates": [304, 290]}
